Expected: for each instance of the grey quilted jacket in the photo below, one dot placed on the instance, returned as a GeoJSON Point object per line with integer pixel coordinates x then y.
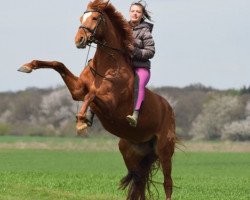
{"type": "Point", "coordinates": [144, 46]}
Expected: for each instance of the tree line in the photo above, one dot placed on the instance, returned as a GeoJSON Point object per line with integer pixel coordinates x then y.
{"type": "Point", "coordinates": [202, 113]}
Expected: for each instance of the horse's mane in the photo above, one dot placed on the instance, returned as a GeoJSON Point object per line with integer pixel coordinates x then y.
{"type": "Point", "coordinates": [118, 20]}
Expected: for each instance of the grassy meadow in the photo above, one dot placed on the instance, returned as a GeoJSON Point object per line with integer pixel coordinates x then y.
{"type": "Point", "coordinates": [90, 169]}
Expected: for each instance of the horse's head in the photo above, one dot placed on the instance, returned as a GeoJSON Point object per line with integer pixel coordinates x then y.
{"type": "Point", "coordinates": [100, 23]}
{"type": "Point", "coordinates": [92, 24]}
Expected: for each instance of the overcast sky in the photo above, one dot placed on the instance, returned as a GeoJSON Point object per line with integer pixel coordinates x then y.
{"type": "Point", "coordinates": [197, 41]}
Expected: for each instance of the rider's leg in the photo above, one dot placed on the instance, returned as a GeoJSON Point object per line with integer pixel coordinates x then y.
{"type": "Point", "coordinates": [143, 76]}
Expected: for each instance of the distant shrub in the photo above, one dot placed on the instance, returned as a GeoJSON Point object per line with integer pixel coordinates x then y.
{"type": "Point", "coordinates": [4, 129]}
{"type": "Point", "coordinates": [217, 112]}
{"type": "Point", "coordinates": [26, 128]}
{"type": "Point", "coordinates": [183, 135]}
{"type": "Point", "coordinates": [245, 90]}
{"type": "Point", "coordinates": [39, 131]}
{"type": "Point", "coordinates": [67, 129]}
{"type": "Point", "coordinates": [237, 130]}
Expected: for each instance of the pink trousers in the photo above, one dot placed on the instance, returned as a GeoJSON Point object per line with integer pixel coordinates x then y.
{"type": "Point", "coordinates": [144, 76]}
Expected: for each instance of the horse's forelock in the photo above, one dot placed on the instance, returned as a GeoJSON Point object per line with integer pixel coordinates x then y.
{"type": "Point", "coordinates": [117, 18]}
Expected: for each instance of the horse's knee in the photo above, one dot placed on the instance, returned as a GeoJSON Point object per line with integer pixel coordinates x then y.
{"type": "Point", "coordinates": [75, 97]}
{"type": "Point", "coordinates": [57, 64]}
{"type": "Point", "coordinates": [77, 94]}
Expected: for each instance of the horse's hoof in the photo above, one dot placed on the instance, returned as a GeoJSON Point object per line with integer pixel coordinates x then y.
{"type": "Point", "coordinates": [25, 69]}
{"type": "Point", "coordinates": [81, 129]}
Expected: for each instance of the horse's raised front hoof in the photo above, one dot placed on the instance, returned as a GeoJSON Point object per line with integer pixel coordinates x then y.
{"type": "Point", "coordinates": [25, 69]}
{"type": "Point", "coordinates": [81, 128]}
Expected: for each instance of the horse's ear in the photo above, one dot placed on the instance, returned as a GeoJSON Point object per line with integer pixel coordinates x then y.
{"type": "Point", "coordinates": [106, 1]}
{"type": "Point", "coordinates": [103, 1]}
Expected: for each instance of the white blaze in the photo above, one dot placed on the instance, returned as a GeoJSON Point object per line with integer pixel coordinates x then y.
{"type": "Point", "coordinates": [86, 16]}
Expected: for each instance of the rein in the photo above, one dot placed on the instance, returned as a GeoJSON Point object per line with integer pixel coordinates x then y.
{"type": "Point", "coordinates": [104, 44]}
{"type": "Point", "coordinates": [116, 74]}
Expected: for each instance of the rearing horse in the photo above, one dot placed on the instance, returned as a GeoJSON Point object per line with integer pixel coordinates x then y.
{"type": "Point", "coordinates": [107, 85]}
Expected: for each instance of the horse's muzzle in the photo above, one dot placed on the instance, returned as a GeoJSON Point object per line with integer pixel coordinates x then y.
{"type": "Point", "coordinates": [81, 44]}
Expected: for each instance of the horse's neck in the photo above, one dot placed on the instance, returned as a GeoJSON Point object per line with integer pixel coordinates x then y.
{"type": "Point", "coordinates": [112, 63]}
{"type": "Point", "coordinates": [106, 57]}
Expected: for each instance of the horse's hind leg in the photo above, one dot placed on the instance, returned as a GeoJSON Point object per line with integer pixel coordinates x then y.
{"type": "Point", "coordinates": [165, 149]}
{"type": "Point", "coordinates": [74, 84]}
{"type": "Point", "coordinates": [138, 159]}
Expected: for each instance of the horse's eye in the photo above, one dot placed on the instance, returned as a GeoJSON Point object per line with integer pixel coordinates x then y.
{"type": "Point", "coordinates": [94, 18]}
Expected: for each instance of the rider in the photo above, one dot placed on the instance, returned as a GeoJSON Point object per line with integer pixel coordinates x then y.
{"type": "Point", "coordinates": [143, 50]}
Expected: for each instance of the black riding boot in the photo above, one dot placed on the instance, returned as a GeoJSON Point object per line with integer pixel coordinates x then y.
{"type": "Point", "coordinates": [89, 117]}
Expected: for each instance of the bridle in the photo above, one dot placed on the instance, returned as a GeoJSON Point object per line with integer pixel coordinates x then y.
{"type": "Point", "coordinates": [99, 20]}
{"type": "Point", "coordinates": [92, 39]}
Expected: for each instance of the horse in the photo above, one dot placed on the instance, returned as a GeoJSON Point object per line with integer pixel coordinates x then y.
{"type": "Point", "coordinates": [106, 85]}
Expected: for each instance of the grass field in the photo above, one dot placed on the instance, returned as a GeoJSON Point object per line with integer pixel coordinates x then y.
{"type": "Point", "coordinates": [90, 169]}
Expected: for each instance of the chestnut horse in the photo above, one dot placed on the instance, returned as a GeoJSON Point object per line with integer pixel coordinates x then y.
{"type": "Point", "coordinates": [107, 85]}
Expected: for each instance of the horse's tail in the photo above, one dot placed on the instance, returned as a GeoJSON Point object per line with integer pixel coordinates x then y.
{"type": "Point", "coordinates": [138, 182]}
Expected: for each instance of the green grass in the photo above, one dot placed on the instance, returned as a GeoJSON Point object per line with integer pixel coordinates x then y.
{"type": "Point", "coordinates": [27, 174]}
{"type": "Point", "coordinates": [43, 174]}
{"type": "Point", "coordinates": [212, 176]}
{"type": "Point", "coordinates": [56, 140]}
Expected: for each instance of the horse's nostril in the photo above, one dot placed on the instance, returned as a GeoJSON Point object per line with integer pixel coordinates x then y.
{"type": "Point", "coordinates": [80, 42]}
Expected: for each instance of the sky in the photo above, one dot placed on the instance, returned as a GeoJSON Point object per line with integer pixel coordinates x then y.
{"type": "Point", "coordinates": [197, 41]}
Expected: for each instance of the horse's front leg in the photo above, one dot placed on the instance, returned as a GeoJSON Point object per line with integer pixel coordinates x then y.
{"type": "Point", "coordinates": [81, 124]}
{"type": "Point", "coordinates": [74, 84]}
